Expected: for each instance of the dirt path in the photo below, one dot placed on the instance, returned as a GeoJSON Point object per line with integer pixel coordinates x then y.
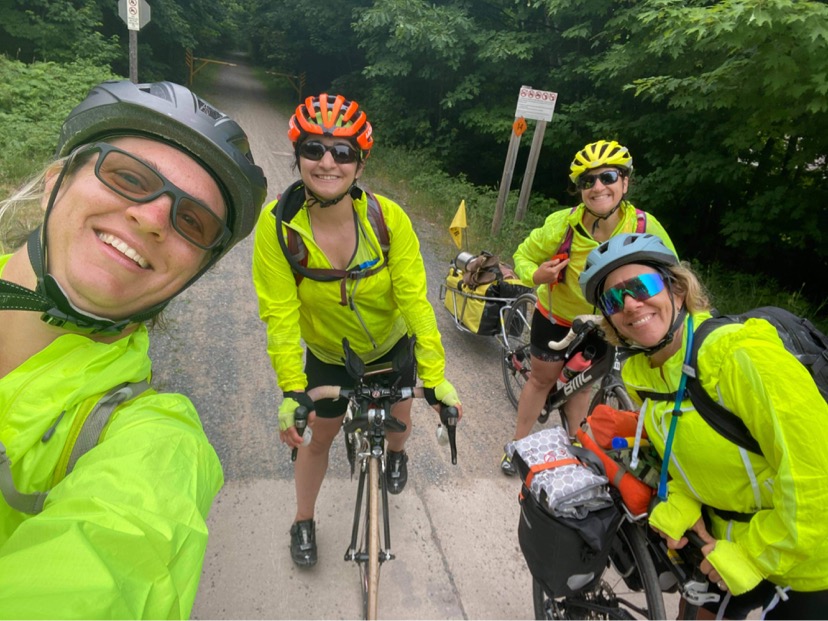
{"type": "Point", "coordinates": [454, 529]}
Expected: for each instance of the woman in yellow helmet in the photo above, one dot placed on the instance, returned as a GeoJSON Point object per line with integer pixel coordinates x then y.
{"type": "Point", "coordinates": [553, 256]}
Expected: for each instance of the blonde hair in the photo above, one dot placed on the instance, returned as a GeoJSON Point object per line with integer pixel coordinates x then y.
{"type": "Point", "coordinates": [22, 212]}
{"type": "Point", "coordinates": [682, 281]}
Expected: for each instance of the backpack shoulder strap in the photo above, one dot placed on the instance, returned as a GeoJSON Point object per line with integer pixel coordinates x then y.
{"type": "Point", "coordinates": [377, 220]}
{"type": "Point", "coordinates": [98, 417]}
{"type": "Point", "coordinates": [725, 422]}
{"type": "Point", "coordinates": [287, 206]}
{"type": "Point", "coordinates": [87, 438]}
{"type": "Point", "coordinates": [566, 246]}
{"type": "Point", "coordinates": [640, 221]}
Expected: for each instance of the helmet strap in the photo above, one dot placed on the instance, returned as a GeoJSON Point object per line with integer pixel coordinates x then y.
{"type": "Point", "coordinates": [315, 199]}
{"type": "Point", "coordinates": [599, 217]}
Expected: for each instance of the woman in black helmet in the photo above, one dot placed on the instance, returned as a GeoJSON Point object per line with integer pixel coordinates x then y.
{"type": "Point", "coordinates": [106, 484]}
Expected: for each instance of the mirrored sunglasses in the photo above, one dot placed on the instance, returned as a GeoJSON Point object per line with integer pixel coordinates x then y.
{"type": "Point", "coordinates": [608, 177]}
{"type": "Point", "coordinates": [133, 179]}
{"type": "Point", "coordinates": [641, 288]}
{"type": "Point", "coordinates": [342, 153]}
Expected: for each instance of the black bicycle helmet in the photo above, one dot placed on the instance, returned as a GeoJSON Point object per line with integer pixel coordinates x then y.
{"type": "Point", "coordinates": [621, 250]}
{"type": "Point", "coordinates": [161, 111]}
{"type": "Point", "coordinates": [174, 114]}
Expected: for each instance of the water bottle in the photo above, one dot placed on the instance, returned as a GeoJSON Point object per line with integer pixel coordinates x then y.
{"type": "Point", "coordinates": [581, 361]}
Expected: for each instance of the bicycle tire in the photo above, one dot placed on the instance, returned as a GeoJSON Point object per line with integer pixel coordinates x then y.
{"type": "Point", "coordinates": [515, 361]}
{"type": "Point", "coordinates": [614, 396]}
{"type": "Point", "coordinates": [610, 596]}
{"type": "Point", "coordinates": [373, 539]}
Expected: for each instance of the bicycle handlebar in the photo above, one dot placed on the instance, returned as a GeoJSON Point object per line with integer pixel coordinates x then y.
{"type": "Point", "coordinates": [448, 413]}
{"type": "Point", "coordinates": [581, 326]}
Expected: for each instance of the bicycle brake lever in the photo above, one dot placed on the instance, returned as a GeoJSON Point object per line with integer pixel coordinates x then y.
{"type": "Point", "coordinates": [449, 416]}
{"type": "Point", "coordinates": [300, 421]}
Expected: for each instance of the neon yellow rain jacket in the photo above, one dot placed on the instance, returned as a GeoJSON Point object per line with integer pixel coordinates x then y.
{"type": "Point", "coordinates": [391, 302]}
{"type": "Point", "coordinates": [747, 369]}
{"type": "Point", "coordinates": [565, 300]}
{"type": "Point", "coordinates": [124, 534]}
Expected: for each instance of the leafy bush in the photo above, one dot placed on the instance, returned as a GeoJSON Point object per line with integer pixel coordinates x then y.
{"type": "Point", "coordinates": [34, 101]}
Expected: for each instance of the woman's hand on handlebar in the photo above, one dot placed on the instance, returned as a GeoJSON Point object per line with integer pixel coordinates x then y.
{"type": "Point", "coordinates": [548, 271]}
{"type": "Point", "coordinates": [438, 407]}
{"type": "Point", "coordinates": [288, 415]}
{"type": "Point", "coordinates": [443, 394]}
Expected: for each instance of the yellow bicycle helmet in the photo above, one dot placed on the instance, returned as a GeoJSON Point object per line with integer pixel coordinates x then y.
{"type": "Point", "coordinates": [328, 115]}
{"type": "Point", "coordinates": [598, 154]}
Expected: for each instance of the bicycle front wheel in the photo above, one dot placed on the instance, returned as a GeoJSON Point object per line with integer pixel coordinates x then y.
{"type": "Point", "coordinates": [614, 396]}
{"type": "Point", "coordinates": [628, 589]}
{"type": "Point", "coordinates": [373, 539]}
{"type": "Point", "coordinates": [515, 361]}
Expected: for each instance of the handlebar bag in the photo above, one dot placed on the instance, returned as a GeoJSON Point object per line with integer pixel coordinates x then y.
{"type": "Point", "coordinates": [556, 477]}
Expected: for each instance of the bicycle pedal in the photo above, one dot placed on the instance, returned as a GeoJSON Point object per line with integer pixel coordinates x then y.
{"type": "Point", "coordinates": [543, 416]}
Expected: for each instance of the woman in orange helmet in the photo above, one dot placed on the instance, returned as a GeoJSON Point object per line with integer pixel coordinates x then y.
{"type": "Point", "coordinates": [332, 260]}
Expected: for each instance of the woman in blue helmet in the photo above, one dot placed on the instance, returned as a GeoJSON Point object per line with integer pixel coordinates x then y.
{"type": "Point", "coordinates": [105, 483]}
{"type": "Point", "coordinates": [760, 514]}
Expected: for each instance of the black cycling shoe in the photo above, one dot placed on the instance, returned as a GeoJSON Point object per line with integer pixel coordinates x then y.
{"type": "Point", "coordinates": [506, 465]}
{"type": "Point", "coordinates": [396, 471]}
{"type": "Point", "coordinates": [303, 543]}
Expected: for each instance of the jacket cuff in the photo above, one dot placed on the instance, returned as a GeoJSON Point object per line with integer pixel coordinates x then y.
{"type": "Point", "coordinates": [734, 566]}
{"type": "Point", "coordinates": [675, 516]}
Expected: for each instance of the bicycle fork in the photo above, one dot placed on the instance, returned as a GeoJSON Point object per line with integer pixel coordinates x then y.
{"type": "Point", "coordinates": [354, 553]}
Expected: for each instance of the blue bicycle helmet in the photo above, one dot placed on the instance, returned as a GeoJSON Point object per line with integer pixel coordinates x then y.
{"type": "Point", "coordinates": [622, 250]}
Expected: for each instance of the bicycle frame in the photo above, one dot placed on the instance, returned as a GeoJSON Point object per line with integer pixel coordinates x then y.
{"type": "Point", "coordinates": [606, 369]}
{"type": "Point", "coordinates": [367, 419]}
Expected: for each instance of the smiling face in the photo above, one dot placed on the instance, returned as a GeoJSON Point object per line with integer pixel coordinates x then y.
{"type": "Point", "coordinates": [326, 178]}
{"type": "Point", "coordinates": [114, 257]}
{"type": "Point", "coordinates": [600, 198]}
{"type": "Point", "coordinates": [643, 322]}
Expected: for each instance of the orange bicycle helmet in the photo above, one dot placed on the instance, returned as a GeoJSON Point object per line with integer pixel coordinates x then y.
{"type": "Point", "coordinates": [335, 116]}
{"type": "Point", "coordinates": [598, 154]}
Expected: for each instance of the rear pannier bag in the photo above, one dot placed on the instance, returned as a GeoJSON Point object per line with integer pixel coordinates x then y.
{"type": "Point", "coordinates": [565, 555]}
{"type": "Point", "coordinates": [568, 518]}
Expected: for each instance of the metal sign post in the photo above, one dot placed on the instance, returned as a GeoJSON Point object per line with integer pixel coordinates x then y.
{"type": "Point", "coordinates": [539, 106]}
{"type": "Point", "coordinates": [136, 15]}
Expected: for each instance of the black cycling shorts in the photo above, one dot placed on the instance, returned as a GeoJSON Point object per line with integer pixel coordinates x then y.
{"type": "Point", "coordinates": [321, 373]}
{"type": "Point", "coordinates": [800, 604]}
{"type": "Point", "coordinates": [543, 331]}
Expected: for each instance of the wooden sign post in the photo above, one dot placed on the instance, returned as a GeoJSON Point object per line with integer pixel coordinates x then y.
{"type": "Point", "coordinates": [539, 106]}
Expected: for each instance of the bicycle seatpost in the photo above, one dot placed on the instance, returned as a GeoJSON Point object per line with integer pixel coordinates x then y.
{"type": "Point", "coordinates": [449, 416]}
{"type": "Point", "coordinates": [300, 421]}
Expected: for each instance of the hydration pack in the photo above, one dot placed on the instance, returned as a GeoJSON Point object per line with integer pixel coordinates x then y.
{"type": "Point", "coordinates": [800, 337]}
{"type": "Point", "coordinates": [290, 202]}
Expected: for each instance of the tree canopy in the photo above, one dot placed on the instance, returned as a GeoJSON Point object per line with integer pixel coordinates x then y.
{"type": "Point", "coordinates": [722, 103]}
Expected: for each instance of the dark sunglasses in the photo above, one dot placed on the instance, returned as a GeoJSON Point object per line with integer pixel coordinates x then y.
{"type": "Point", "coordinates": [315, 151]}
{"type": "Point", "coordinates": [135, 180]}
{"type": "Point", "coordinates": [641, 288]}
{"type": "Point", "coordinates": [608, 177]}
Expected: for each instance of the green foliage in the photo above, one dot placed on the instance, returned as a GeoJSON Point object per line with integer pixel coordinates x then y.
{"type": "Point", "coordinates": [91, 31]}
{"type": "Point", "coordinates": [56, 30]}
{"type": "Point", "coordinates": [32, 111]}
